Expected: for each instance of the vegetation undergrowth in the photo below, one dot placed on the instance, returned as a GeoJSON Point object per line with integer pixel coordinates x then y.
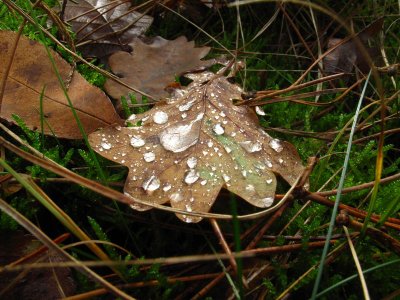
{"type": "Point", "coordinates": [275, 57]}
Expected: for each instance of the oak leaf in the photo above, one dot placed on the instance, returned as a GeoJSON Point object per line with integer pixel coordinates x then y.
{"type": "Point", "coordinates": [151, 67]}
{"type": "Point", "coordinates": [103, 27]}
{"type": "Point", "coordinates": [190, 147]}
{"type": "Point", "coordinates": [31, 73]}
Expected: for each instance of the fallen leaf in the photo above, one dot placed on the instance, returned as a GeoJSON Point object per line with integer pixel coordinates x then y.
{"type": "Point", "coordinates": [30, 73]}
{"type": "Point", "coordinates": [151, 67]}
{"type": "Point", "coordinates": [42, 283]}
{"type": "Point", "coordinates": [103, 27]}
{"type": "Point", "coordinates": [189, 148]}
{"type": "Point", "coordinates": [349, 55]}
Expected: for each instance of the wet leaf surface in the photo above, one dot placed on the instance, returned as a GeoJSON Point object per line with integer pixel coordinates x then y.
{"type": "Point", "coordinates": [103, 27]}
{"type": "Point", "coordinates": [31, 73]}
{"type": "Point", "coordinates": [151, 67]}
{"type": "Point", "coordinates": [189, 148]}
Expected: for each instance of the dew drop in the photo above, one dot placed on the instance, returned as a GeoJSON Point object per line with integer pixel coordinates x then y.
{"type": "Point", "coordinates": [184, 115]}
{"type": "Point", "coordinates": [188, 208]}
{"type": "Point", "coordinates": [160, 117]}
{"type": "Point", "coordinates": [267, 202]}
{"type": "Point", "coordinates": [280, 161]}
{"type": "Point", "coordinates": [131, 117]}
{"type": "Point", "coordinates": [106, 146]}
{"type": "Point", "coordinates": [250, 188]}
{"type": "Point", "coordinates": [269, 181]}
{"type": "Point", "coordinates": [192, 162]}
{"type": "Point", "coordinates": [218, 129]}
{"type": "Point", "coordinates": [137, 141]}
{"type": "Point", "coordinates": [276, 145]}
{"type": "Point", "coordinates": [176, 197]}
{"type": "Point", "coordinates": [251, 147]}
{"type": "Point", "coordinates": [226, 177]}
{"type": "Point", "coordinates": [151, 184]}
{"type": "Point", "coordinates": [179, 137]}
{"type": "Point", "coordinates": [149, 156]}
{"type": "Point", "coordinates": [268, 163]}
{"type": "Point", "coordinates": [260, 111]}
{"type": "Point", "coordinates": [203, 182]}
{"type": "Point", "coordinates": [227, 149]}
{"type": "Point", "coordinates": [167, 187]}
{"type": "Point", "coordinates": [191, 176]}
{"type": "Point", "coordinates": [186, 106]}
{"type": "Point", "coordinates": [210, 144]}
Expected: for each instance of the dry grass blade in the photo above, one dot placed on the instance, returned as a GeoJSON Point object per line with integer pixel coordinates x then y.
{"type": "Point", "coordinates": [357, 263]}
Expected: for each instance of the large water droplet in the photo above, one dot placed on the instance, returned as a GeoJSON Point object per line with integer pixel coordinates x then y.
{"type": "Point", "coordinates": [276, 145]}
{"type": "Point", "coordinates": [179, 137]}
{"type": "Point", "coordinates": [137, 141]}
{"type": "Point", "coordinates": [160, 117]}
{"type": "Point", "coordinates": [106, 146]}
{"type": "Point", "coordinates": [250, 146]}
{"type": "Point", "coordinates": [151, 184]}
{"type": "Point", "coordinates": [267, 202]}
{"type": "Point", "coordinates": [260, 111]}
{"type": "Point", "coordinates": [192, 162]}
{"type": "Point", "coordinates": [191, 176]}
{"type": "Point", "coordinates": [218, 129]}
{"type": "Point", "coordinates": [149, 156]}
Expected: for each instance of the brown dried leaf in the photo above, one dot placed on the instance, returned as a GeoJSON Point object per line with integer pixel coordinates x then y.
{"type": "Point", "coordinates": [349, 55]}
{"type": "Point", "coordinates": [151, 67]}
{"type": "Point", "coordinates": [31, 71]}
{"type": "Point", "coordinates": [104, 26]}
{"type": "Point", "coordinates": [186, 150]}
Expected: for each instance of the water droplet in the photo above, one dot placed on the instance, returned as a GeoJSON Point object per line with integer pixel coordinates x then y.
{"type": "Point", "coordinates": [260, 111]}
{"type": "Point", "coordinates": [268, 163]}
{"type": "Point", "coordinates": [176, 197]}
{"type": "Point", "coordinates": [276, 145]}
{"type": "Point", "coordinates": [218, 129]}
{"type": "Point", "coordinates": [184, 115]}
{"type": "Point", "coordinates": [179, 137]}
{"type": "Point", "coordinates": [186, 106]}
{"type": "Point", "coordinates": [269, 181]}
{"type": "Point", "coordinates": [149, 157]}
{"type": "Point", "coordinates": [267, 202]}
{"type": "Point", "coordinates": [131, 117]}
{"type": "Point", "coordinates": [106, 146]}
{"type": "Point", "coordinates": [188, 208]}
{"type": "Point", "coordinates": [203, 182]}
{"type": "Point", "coordinates": [227, 149]}
{"type": "Point", "coordinates": [226, 177]}
{"type": "Point", "coordinates": [137, 141]}
{"type": "Point", "coordinates": [244, 173]}
{"type": "Point", "coordinates": [151, 184]}
{"type": "Point", "coordinates": [222, 114]}
{"type": "Point", "coordinates": [160, 117]}
{"type": "Point", "coordinates": [250, 188]}
{"type": "Point", "coordinates": [167, 187]}
{"type": "Point", "coordinates": [192, 162]}
{"type": "Point", "coordinates": [210, 144]}
{"type": "Point", "coordinates": [251, 147]}
{"type": "Point", "coordinates": [191, 176]}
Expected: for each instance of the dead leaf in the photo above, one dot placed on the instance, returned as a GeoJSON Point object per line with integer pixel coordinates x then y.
{"type": "Point", "coordinates": [45, 283]}
{"type": "Point", "coordinates": [349, 55]}
{"type": "Point", "coordinates": [186, 150]}
{"type": "Point", "coordinates": [103, 27]}
{"type": "Point", "coordinates": [30, 73]}
{"type": "Point", "coordinates": [151, 67]}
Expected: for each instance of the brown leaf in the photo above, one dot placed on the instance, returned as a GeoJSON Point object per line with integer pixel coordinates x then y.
{"type": "Point", "coordinates": [186, 150]}
{"type": "Point", "coordinates": [349, 55]}
{"type": "Point", "coordinates": [104, 27]}
{"type": "Point", "coordinates": [151, 67]}
{"type": "Point", "coordinates": [31, 71]}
